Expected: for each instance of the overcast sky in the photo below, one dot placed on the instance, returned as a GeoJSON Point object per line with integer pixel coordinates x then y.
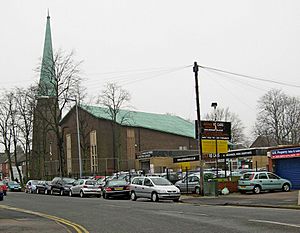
{"type": "Point", "coordinates": [148, 46]}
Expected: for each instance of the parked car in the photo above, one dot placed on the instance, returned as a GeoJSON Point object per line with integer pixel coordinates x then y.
{"type": "Point", "coordinates": [116, 188]}
{"type": "Point", "coordinates": [154, 188]}
{"type": "Point", "coordinates": [191, 184]}
{"type": "Point", "coordinates": [61, 185]}
{"type": "Point", "coordinates": [3, 188]}
{"type": "Point", "coordinates": [30, 186]}
{"type": "Point", "coordinates": [173, 177]}
{"type": "Point", "coordinates": [43, 187]}
{"type": "Point", "coordinates": [84, 188]}
{"type": "Point", "coordinates": [13, 186]}
{"type": "Point", "coordinates": [262, 181]}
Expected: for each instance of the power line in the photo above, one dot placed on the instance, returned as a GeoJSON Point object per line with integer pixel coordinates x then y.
{"type": "Point", "coordinates": [250, 77]}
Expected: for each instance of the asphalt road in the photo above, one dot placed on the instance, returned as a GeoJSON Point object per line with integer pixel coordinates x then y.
{"type": "Point", "coordinates": [99, 215]}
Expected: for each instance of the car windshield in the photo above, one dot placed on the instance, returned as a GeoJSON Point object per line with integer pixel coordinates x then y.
{"type": "Point", "coordinates": [12, 182]}
{"type": "Point", "coordinates": [160, 181]}
{"type": "Point", "coordinates": [34, 182]}
{"type": "Point", "coordinates": [116, 182]}
{"type": "Point", "coordinates": [69, 180]}
{"type": "Point", "coordinates": [247, 176]}
{"type": "Point", "coordinates": [90, 182]}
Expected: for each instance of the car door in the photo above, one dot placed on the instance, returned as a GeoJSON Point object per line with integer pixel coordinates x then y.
{"type": "Point", "coordinates": [264, 181]}
{"type": "Point", "coordinates": [274, 181]}
{"type": "Point", "coordinates": [147, 188]}
{"type": "Point", "coordinates": [136, 186]}
{"type": "Point", "coordinates": [182, 185]}
{"type": "Point", "coordinates": [193, 182]}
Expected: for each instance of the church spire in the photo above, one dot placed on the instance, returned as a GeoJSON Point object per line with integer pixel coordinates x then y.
{"type": "Point", "coordinates": [47, 76]}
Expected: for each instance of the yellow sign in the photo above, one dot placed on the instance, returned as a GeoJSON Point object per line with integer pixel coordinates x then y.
{"type": "Point", "coordinates": [209, 146]}
{"type": "Point", "coordinates": [185, 165]}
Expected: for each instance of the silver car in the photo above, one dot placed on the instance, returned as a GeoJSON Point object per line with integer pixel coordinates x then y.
{"type": "Point", "coordinates": [154, 188]}
{"type": "Point", "coordinates": [191, 184]}
{"type": "Point", "coordinates": [84, 188]}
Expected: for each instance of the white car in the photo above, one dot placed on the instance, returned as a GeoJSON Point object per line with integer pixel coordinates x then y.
{"type": "Point", "coordinates": [84, 188]}
{"type": "Point", "coordinates": [154, 188]}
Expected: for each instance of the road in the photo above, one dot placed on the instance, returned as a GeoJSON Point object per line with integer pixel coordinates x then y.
{"type": "Point", "coordinates": [99, 215]}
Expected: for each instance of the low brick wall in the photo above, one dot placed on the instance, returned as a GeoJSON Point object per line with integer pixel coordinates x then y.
{"type": "Point", "coordinates": [231, 185]}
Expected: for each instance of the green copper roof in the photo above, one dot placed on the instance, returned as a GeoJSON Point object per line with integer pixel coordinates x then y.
{"type": "Point", "coordinates": [160, 122]}
{"type": "Point", "coordinates": [46, 86]}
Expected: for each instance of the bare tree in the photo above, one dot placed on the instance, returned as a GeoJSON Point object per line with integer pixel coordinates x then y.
{"type": "Point", "coordinates": [6, 106]}
{"type": "Point", "coordinates": [61, 83]}
{"type": "Point", "coordinates": [278, 117]}
{"type": "Point", "coordinates": [25, 99]}
{"type": "Point", "coordinates": [237, 127]}
{"type": "Point", "coordinates": [114, 98]}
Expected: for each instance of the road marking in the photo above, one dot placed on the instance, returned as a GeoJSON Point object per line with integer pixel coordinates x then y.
{"type": "Point", "coordinates": [78, 228]}
{"type": "Point", "coordinates": [273, 222]}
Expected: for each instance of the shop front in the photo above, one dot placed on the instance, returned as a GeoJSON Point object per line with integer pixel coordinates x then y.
{"type": "Point", "coordinates": [286, 164]}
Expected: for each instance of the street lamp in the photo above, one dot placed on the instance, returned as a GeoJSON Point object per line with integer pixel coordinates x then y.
{"type": "Point", "coordinates": [214, 105]}
{"type": "Point", "coordinates": [78, 135]}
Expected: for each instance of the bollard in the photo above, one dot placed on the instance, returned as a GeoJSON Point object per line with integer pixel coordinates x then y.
{"type": "Point", "coordinates": [299, 197]}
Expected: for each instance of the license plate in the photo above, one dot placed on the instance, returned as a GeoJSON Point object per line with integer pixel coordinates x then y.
{"type": "Point", "coordinates": [243, 187]}
{"type": "Point", "coordinates": [118, 189]}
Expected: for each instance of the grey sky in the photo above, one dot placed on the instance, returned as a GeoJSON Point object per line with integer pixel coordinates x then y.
{"type": "Point", "coordinates": [255, 37]}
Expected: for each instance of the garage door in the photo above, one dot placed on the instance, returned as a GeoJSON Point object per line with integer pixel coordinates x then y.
{"type": "Point", "coordinates": [289, 169]}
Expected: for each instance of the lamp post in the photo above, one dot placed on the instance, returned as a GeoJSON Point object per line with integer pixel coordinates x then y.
{"type": "Point", "coordinates": [78, 135]}
{"type": "Point", "coordinates": [214, 105]}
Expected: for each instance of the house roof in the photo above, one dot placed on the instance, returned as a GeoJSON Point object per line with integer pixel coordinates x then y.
{"type": "Point", "coordinates": [160, 122]}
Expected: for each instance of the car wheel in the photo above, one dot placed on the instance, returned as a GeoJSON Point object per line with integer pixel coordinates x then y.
{"type": "Point", "coordinates": [257, 189]}
{"type": "Point", "coordinates": [286, 187]}
{"type": "Point", "coordinates": [70, 194]}
{"type": "Point", "coordinates": [81, 194]}
{"type": "Point", "coordinates": [61, 192]}
{"type": "Point", "coordinates": [133, 196]}
{"type": "Point", "coordinates": [154, 197]}
{"type": "Point", "coordinates": [98, 195]}
{"type": "Point", "coordinates": [176, 200]}
{"type": "Point", "coordinates": [197, 190]}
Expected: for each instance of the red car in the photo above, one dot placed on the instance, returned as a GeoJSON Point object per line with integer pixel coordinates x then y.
{"type": "Point", "coordinates": [3, 187]}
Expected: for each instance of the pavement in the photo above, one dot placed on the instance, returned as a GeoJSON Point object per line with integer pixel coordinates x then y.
{"type": "Point", "coordinates": [14, 221]}
{"type": "Point", "coordinates": [288, 200]}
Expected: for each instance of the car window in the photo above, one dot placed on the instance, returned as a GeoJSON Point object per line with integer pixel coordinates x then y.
{"type": "Point", "coordinates": [90, 182]}
{"type": "Point", "coordinates": [195, 179]}
{"type": "Point", "coordinates": [138, 181]}
{"type": "Point", "coordinates": [190, 179]}
{"type": "Point", "coordinates": [263, 176]}
{"type": "Point", "coordinates": [247, 176]}
{"type": "Point", "coordinates": [81, 182]}
{"type": "Point", "coordinates": [272, 176]}
{"type": "Point", "coordinates": [256, 177]}
{"type": "Point", "coordinates": [147, 182]}
{"type": "Point", "coordinates": [160, 181]}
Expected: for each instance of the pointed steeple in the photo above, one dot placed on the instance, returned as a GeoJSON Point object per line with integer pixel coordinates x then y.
{"type": "Point", "coordinates": [47, 76]}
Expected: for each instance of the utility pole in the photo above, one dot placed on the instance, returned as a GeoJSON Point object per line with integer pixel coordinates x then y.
{"type": "Point", "coordinates": [195, 70]}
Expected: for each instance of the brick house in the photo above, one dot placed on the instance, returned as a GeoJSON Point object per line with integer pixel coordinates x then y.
{"type": "Point", "coordinates": [135, 132]}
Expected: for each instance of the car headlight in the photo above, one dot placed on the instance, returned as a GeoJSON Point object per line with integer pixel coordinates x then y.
{"type": "Point", "coordinates": [162, 191]}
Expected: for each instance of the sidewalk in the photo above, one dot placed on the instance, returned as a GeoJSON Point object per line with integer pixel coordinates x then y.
{"type": "Point", "coordinates": [273, 200]}
{"type": "Point", "coordinates": [13, 221]}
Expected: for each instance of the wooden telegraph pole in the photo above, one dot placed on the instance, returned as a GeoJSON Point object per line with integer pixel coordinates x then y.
{"type": "Point", "coordinates": [195, 70]}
